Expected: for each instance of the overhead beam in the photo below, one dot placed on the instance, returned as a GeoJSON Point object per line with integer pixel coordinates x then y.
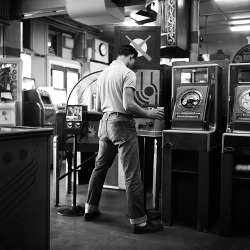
{"type": "Point", "coordinates": [123, 3]}
{"type": "Point", "coordinates": [21, 7]}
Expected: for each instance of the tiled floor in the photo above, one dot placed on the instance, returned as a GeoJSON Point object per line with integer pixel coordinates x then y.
{"type": "Point", "coordinates": [113, 231]}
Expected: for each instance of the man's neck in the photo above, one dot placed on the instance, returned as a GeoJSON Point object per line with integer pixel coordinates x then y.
{"type": "Point", "coordinates": [123, 59]}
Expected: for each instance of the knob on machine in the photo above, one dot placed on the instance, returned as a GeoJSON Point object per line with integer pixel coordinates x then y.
{"type": "Point", "coordinates": [149, 127]}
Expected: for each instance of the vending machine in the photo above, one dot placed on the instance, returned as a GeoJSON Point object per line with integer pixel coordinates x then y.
{"type": "Point", "coordinates": [11, 91]}
{"type": "Point", "coordinates": [191, 147]}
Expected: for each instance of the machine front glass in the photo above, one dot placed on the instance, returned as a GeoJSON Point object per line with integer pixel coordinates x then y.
{"type": "Point", "coordinates": [244, 76]}
{"type": "Point", "coordinates": [190, 99]}
{"type": "Point", "coordinates": [46, 99]}
{"type": "Point", "coordinates": [74, 113]}
{"type": "Point", "coordinates": [194, 75]}
{"type": "Point", "coordinates": [8, 81]}
{"type": "Point", "coordinates": [244, 101]}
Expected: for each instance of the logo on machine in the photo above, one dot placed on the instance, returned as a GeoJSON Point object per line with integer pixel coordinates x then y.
{"type": "Point", "coordinates": [189, 100]}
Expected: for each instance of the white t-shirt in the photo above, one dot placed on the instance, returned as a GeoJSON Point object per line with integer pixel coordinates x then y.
{"type": "Point", "coordinates": [111, 83]}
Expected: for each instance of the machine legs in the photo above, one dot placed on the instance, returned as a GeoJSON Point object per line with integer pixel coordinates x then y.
{"type": "Point", "coordinates": [196, 184]}
{"type": "Point", "coordinates": [166, 187]}
{"type": "Point", "coordinates": [146, 148]}
{"type": "Point", "coordinates": [74, 209]}
{"type": "Point", "coordinates": [157, 174]}
{"type": "Point", "coordinates": [226, 194]}
{"type": "Point", "coordinates": [203, 191]}
{"type": "Point", "coordinates": [56, 171]}
{"type": "Point", "coordinates": [57, 165]}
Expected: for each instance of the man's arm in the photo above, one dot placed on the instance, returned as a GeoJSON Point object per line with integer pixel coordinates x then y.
{"type": "Point", "coordinates": [132, 107]}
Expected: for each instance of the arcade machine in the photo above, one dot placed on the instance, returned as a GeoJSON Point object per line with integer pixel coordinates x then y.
{"type": "Point", "coordinates": [38, 110]}
{"type": "Point", "coordinates": [235, 160]}
{"type": "Point", "coordinates": [10, 92]}
{"type": "Point", "coordinates": [192, 145]}
{"type": "Point", "coordinates": [71, 139]}
{"type": "Point", "coordinates": [149, 131]}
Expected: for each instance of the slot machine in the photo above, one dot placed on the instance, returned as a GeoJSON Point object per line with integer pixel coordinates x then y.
{"type": "Point", "coordinates": [195, 97]}
{"type": "Point", "coordinates": [235, 159]}
{"type": "Point", "coordinates": [191, 147]}
{"type": "Point", "coordinates": [239, 98]}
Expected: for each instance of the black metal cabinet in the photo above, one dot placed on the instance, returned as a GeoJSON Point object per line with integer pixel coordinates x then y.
{"type": "Point", "coordinates": [235, 184]}
{"type": "Point", "coordinates": [25, 188]}
{"type": "Point", "coordinates": [190, 178]}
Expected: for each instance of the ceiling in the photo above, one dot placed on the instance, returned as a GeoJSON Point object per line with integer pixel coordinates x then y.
{"type": "Point", "coordinates": [214, 18]}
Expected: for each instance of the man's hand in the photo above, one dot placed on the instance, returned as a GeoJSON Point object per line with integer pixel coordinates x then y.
{"type": "Point", "coordinates": [131, 106]}
{"type": "Point", "coordinates": [157, 113]}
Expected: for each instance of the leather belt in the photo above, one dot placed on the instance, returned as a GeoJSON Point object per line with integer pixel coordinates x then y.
{"type": "Point", "coordinates": [118, 114]}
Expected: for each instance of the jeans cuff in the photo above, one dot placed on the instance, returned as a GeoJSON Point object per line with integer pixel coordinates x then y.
{"type": "Point", "coordinates": [90, 208]}
{"type": "Point", "coordinates": [137, 221]}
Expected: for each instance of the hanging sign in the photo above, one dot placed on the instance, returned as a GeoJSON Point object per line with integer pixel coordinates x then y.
{"type": "Point", "coordinates": [145, 39]}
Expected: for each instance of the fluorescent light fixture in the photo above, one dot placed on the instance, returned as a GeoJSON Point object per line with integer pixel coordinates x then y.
{"type": "Point", "coordinates": [228, 1]}
{"type": "Point", "coordinates": [237, 22]}
{"type": "Point", "coordinates": [241, 16]}
{"type": "Point", "coordinates": [240, 28]}
{"type": "Point", "coordinates": [28, 14]}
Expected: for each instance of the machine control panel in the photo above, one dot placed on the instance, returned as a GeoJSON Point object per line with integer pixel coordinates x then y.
{"type": "Point", "coordinates": [149, 127]}
{"type": "Point", "coordinates": [7, 114]}
{"type": "Point", "coordinates": [76, 119]}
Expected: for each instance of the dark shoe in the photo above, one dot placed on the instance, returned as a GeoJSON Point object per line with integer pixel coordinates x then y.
{"type": "Point", "coordinates": [148, 228]}
{"type": "Point", "coordinates": [91, 216]}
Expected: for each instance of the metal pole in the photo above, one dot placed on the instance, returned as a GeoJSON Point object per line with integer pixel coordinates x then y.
{"type": "Point", "coordinates": [195, 31]}
{"type": "Point", "coordinates": [74, 172]}
{"type": "Point", "coordinates": [74, 210]}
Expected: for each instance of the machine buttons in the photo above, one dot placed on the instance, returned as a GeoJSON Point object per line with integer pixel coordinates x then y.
{"type": "Point", "coordinates": [7, 117]}
{"type": "Point", "coordinates": [150, 124]}
{"type": "Point", "coordinates": [140, 126]}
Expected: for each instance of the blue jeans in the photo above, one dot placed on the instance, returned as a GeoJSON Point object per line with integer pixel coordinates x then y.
{"type": "Point", "coordinates": [117, 132]}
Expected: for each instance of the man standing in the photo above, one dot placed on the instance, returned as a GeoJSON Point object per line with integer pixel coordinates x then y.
{"type": "Point", "coordinates": [117, 133]}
